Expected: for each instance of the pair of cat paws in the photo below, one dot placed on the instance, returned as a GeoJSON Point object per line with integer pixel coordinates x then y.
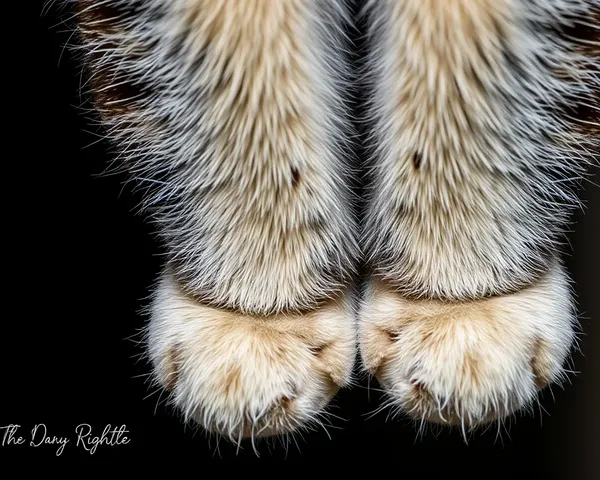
{"type": "Point", "coordinates": [465, 363]}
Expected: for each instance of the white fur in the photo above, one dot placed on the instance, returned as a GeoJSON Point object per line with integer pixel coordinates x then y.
{"type": "Point", "coordinates": [475, 156]}
{"type": "Point", "coordinates": [242, 376]}
{"type": "Point", "coordinates": [231, 117]}
{"type": "Point", "coordinates": [237, 133]}
{"type": "Point", "coordinates": [467, 363]}
{"type": "Point", "coordinates": [477, 151]}
{"type": "Point", "coordinates": [235, 126]}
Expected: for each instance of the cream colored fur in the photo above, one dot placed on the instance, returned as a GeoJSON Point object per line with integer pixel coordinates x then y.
{"type": "Point", "coordinates": [236, 128]}
{"type": "Point", "coordinates": [467, 363]}
{"type": "Point", "coordinates": [474, 166]}
{"type": "Point", "coordinates": [244, 376]}
{"type": "Point", "coordinates": [475, 159]}
{"type": "Point", "coordinates": [231, 117]}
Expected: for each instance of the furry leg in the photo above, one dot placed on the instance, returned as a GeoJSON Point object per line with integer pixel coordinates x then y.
{"type": "Point", "coordinates": [485, 117]}
{"type": "Point", "coordinates": [231, 115]}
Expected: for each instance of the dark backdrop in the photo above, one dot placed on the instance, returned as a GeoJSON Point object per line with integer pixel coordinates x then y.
{"type": "Point", "coordinates": [79, 262]}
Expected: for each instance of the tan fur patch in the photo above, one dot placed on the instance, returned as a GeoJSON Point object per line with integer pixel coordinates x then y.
{"type": "Point", "coordinates": [173, 364]}
{"type": "Point", "coordinates": [539, 364]}
{"type": "Point", "coordinates": [232, 380]}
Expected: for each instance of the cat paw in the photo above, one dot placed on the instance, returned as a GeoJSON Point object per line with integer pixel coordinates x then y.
{"type": "Point", "coordinates": [243, 376]}
{"type": "Point", "coordinates": [467, 363]}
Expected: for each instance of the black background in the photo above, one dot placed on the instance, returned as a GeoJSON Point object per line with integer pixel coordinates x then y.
{"type": "Point", "coordinates": [79, 264]}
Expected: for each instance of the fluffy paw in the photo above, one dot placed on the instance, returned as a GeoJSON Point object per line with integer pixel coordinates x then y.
{"type": "Point", "coordinates": [243, 376]}
{"type": "Point", "coordinates": [467, 363]}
